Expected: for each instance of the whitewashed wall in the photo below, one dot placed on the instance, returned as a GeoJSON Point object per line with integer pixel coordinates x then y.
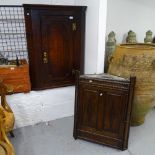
{"type": "Point", "coordinates": [101, 35]}
{"type": "Point", "coordinates": [62, 2]}
{"type": "Point", "coordinates": [95, 34]}
{"type": "Point", "coordinates": [91, 45]}
{"type": "Point", "coordinates": [40, 106]}
{"type": "Point", "coordinates": [125, 15]}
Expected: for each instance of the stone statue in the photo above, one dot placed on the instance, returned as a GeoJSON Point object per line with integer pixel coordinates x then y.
{"type": "Point", "coordinates": [148, 38]}
{"type": "Point", "coordinates": [131, 38]}
{"type": "Point", "coordinates": [110, 48]}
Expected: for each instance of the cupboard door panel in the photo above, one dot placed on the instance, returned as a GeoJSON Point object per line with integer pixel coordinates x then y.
{"type": "Point", "coordinates": [89, 98]}
{"type": "Point", "coordinates": [57, 42]}
{"type": "Point", "coordinates": [55, 38]}
{"type": "Point", "coordinates": [112, 110]}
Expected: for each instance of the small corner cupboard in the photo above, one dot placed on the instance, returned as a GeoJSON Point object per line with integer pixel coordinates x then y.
{"type": "Point", "coordinates": [103, 106]}
{"type": "Point", "coordinates": [55, 38]}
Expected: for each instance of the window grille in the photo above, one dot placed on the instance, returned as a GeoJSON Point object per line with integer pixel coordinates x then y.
{"type": "Point", "coordinates": [12, 33]}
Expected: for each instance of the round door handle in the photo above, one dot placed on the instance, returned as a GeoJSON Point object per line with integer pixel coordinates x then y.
{"type": "Point", "coordinates": [71, 17]}
{"type": "Point", "coordinates": [90, 81]}
{"type": "Point", "coordinates": [101, 94]}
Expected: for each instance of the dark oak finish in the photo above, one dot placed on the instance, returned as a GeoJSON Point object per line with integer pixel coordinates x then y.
{"type": "Point", "coordinates": [55, 36]}
{"type": "Point", "coordinates": [103, 109]}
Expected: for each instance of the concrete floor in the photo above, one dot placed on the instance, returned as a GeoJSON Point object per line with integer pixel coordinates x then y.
{"type": "Point", "coordinates": [55, 138]}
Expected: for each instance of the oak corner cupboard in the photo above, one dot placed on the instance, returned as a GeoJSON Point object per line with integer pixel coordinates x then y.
{"type": "Point", "coordinates": [55, 38]}
{"type": "Point", "coordinates": [103, 106]}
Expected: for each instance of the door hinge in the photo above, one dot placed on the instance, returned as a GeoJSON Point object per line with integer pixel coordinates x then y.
{"type": "Point", "coordinates": [74, 26]}
{"type": "Point", "coordinates": [45, 58]}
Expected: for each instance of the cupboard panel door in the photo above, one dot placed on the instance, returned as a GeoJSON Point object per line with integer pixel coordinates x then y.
{"type": "Point", "coordinates": [88, 107]}
{"type": "Point", "coordinates": [111, 111]}
{"type": "Point", "coordinates": [55, 39]}
{"type": "Point", "coordinates": [57, 44]}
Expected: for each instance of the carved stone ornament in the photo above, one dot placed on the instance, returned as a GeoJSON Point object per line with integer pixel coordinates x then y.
{"type": "Point", "coordinates": [131, 38]}
{"type": "Point", "coordinates": [110, 48]}
{"type": "Point", "coordinates": [148, 38]}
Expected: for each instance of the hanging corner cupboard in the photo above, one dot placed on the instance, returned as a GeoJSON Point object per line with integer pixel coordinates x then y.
{"type": "Point", "coordinates": [55, 38]}
{"type": "Point", "coordinates": [103, 106]}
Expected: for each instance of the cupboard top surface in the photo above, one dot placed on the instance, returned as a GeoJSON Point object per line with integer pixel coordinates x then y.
{"type": "Point", "coordinates": [103, 77]}
{"type": "Point", "coordinates": [45, 6]}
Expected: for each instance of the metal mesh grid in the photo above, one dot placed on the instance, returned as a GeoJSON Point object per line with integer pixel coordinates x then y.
{"type": "Point", "coordinates": [12, 33]}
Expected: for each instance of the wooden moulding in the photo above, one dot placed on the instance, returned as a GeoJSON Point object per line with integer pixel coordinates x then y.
{"type": "Point", "coordinates": [17, 77]}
